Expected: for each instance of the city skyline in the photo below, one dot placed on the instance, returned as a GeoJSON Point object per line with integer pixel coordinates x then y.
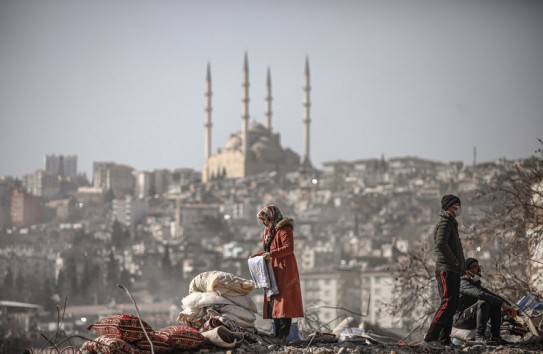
{"type": "Point", "coordinates": [125, 81]}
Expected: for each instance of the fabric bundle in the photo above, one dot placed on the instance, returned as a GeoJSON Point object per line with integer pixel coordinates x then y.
{"type": "Point", "coordinates": [109, 345]}
{"type": "Point", "coordinates": [219, 300]}
{"type": "Point", "coordinates": [195, 307]}
{"type": "Point", "coordinates": [182, 337]}
{"type": "Point", "coordinates": [224, 338]}
{"type": "Point", "coordinates": [221, 283]}
{"type": "Point", "coordinates": [121, 326]}
{"type": "Point", "coordinates": [262, 274]}
{"type": "Point", "coordinates": [160, 343]}
{"type": "Point", "coordinates": [123, 333]}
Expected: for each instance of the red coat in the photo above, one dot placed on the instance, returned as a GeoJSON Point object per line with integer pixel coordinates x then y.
{"type": "Point", "coordinates": [288, 303]}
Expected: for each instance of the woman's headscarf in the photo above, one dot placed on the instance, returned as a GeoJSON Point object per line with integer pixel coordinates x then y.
{"type": "Point", "coordinates": [273, 215]}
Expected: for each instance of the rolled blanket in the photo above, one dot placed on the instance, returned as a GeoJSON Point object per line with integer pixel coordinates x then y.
{"type": "Point", "coordinates": [213, 322]}
{"type": "Point", "coordinates": [109, 345]}
{"type": "Point", "coordinates": [239, 312]}
{"type": "Point", "coordinates": [182, 337]}
{"type": "Point", "coordinates": [224, 338]}
{"type": "Point", "coordinates": [122, 326]}
{"type": "Point", "coordinates": [244, 301]}
{"type": "Point", "coordinates": [239, 321]}
{"type": "Point", "coordinates": [221, 283]}
{"type": "Point", "coordinates": [189, 315]}
{"type": "Point", "coordinates": [198, 300]}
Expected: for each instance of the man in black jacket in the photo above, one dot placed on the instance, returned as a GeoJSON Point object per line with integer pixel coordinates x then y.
{"type": "Point", "coordinates": [450, 265]}
{"type": "Point", "coordinates": [477, 305]}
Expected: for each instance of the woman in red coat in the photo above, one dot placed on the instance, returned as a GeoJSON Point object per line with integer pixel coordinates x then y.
{"type": "Point", "coordinates": [278, 243]}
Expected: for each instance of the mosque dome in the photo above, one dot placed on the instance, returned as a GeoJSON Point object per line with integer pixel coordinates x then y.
{"type": "Point", "coordinates": [256, 127]}
{"type": "Point", "coordinates": [234, 142]}
{"type": "Point", "coordinates": [262, 144]}
{"type": "Point", "coordinates": [266, 149]}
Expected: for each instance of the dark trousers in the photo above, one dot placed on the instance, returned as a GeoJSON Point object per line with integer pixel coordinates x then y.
{"type": "Point", "coordinates": [477, 316]}
{"type": "Point", "coordinates": [282, 325]}
{"type": "Point", "coordinates": [448, 285]}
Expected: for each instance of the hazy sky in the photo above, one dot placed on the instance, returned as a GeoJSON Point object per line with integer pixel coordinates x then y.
{"type": "Point", "coordinates": [123, 81]}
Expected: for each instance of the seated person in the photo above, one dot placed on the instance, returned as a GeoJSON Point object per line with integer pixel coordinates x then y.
{"type": "Point", "coordinates": [476, 305]}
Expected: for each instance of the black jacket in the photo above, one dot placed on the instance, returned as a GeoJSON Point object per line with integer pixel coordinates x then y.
{"type": "Point", "coordinates": [447, 245]}
{"type": "Point", "coordinates": [471, 292]}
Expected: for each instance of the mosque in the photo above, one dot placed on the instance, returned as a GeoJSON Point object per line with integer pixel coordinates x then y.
{"type": "Point", "coordinates": [255, 148]}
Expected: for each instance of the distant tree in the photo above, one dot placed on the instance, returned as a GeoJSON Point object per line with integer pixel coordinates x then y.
{"type": "Point", "coordinates": [154, 283]}
{"type": "Point", "coordinates": [33, 287]}
{"type": "Point", "coordinates": [21, 288]}
{"type": "Point", "coordinates": [112, 269]}
{"type": "Point", "coordinates": [96, 284]}
{"type": "Point", "coordinates": [62, 287]}
{"type": "Point", "coordinates": [112, 278]}
{"type": "Point", "coordinates": [36, 296]}
{"type": "Point", "coordinates": [71, 271]}
{"type": "Point", "coordinates": [413, 295]}
{"type": "Point", "coordinates": [8, 285]}
{"type": "Point", "coordinates": [47, 294]}
{"type": "Point", "coordinates": [120, 234]}
{"type": "Point", "coordinates": [79, 237]}
{"type": "Point", "coordinates": [18, 183]}
{"type": "Point", "coordinates": [217, 226]}
{"type": "Point", "coordinates": [109, 195]}
{"type": "Point", "coordinates": [167, 262]}
{"type": "Point", "coordinates": [511, 221]}
{"type": "Point", "coordinates": [125, 278]}
{"type": "Point", "coordinates": [514, 221]}
{"type": "Point", "coordinates": [86, 278]}
{"type": "Point", "coordinates": [67, 279]}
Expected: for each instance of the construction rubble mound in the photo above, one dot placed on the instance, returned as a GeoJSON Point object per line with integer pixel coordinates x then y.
{"type": "Point", "coordinates": [219, 316]}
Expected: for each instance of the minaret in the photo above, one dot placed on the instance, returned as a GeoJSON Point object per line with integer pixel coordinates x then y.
{"type": "Point", "coordinates": [208, 109]}
{"type": "Point", "coordinates": [245, 106]}
{"type": "Point", "coordinates": [307, 117]}
{"type": "Point", "coordinates": [268, 99]}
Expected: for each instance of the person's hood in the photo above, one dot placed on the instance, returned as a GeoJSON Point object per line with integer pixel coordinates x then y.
{"type": "Point", "coordinates": [284, 222]}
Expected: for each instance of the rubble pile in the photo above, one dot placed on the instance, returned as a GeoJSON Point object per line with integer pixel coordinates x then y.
{"type": "Point", "coordinates": [218, 316]}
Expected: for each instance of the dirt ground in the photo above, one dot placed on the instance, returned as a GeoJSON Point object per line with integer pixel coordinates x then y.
{"type": "Point", "coordinates": [350, 348]}
{"type": "Point", "coordinates": [333, 346]}
{"type": "Point", "coordinates": [527, 345]}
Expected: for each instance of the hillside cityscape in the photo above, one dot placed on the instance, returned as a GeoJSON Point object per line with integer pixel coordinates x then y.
{"type": "Point", "coordinates": [68, 241]}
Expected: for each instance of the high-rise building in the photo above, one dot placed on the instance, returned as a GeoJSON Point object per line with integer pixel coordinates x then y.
{"type": "Point", "coordinates": [151, 183]}
{"type": "Point", "coordinates": [7, 184]}
{"type": "Point", "coordinates": [26, 209]}
{"type": "Point", "coordinates": [377, 291]}
{"type": "Point", "coordinates": [115, 177]}
{"type": "Point", "coordinates": [332, 294]}
{"type": "Point", "coordinates": [62, 165]}
{"type": "Point", "coordinates": [42, 184]}
{"type": "Point", "coordinates": [128, 211]}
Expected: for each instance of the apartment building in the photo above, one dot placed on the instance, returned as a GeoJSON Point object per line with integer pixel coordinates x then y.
{"type": "Point", "coordinates": [332, 294]}
{"type": "Point", "coordinates": [115, 177]}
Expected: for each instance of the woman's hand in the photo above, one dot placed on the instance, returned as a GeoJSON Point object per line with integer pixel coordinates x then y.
{"type": "Point", "coordinates": [267, 256]}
